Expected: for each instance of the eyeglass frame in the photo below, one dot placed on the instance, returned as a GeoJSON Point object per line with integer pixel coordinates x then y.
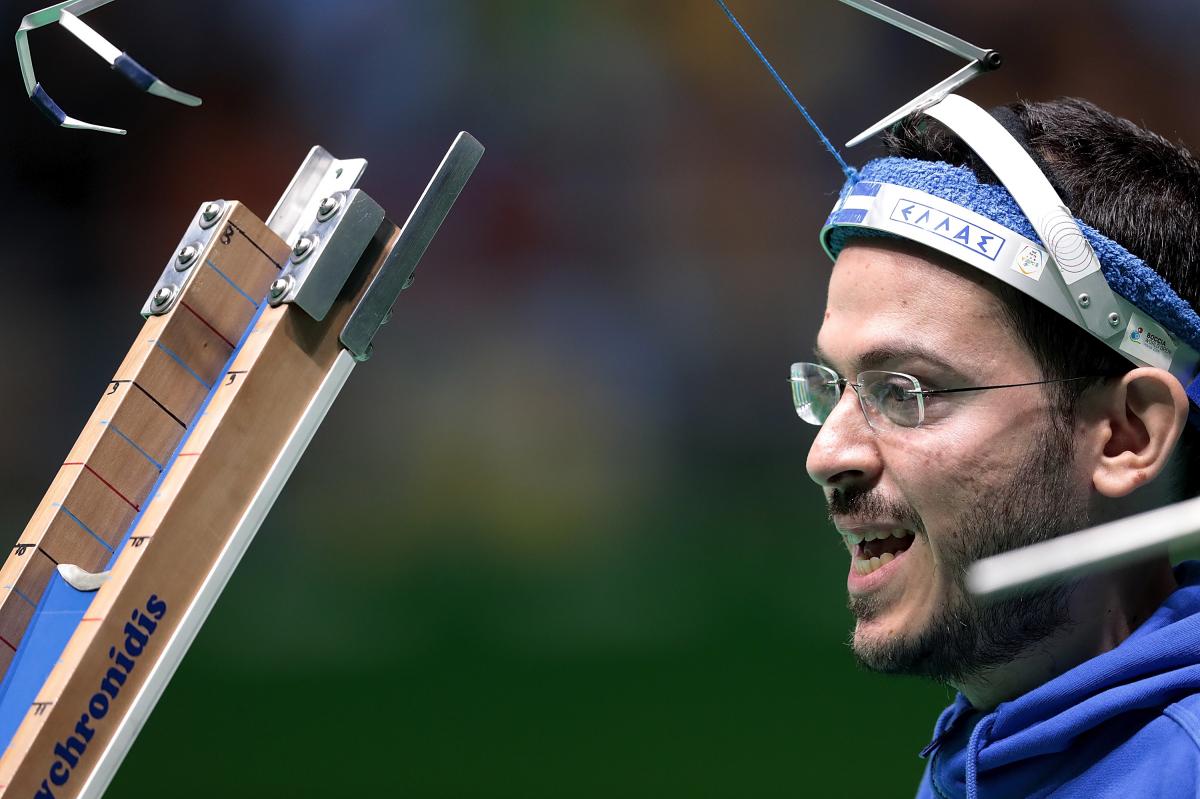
{"type": "Point", "coordinates": [919, 393]}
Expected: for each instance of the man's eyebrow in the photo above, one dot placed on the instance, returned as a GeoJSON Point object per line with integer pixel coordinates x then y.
{"type": "Point", "coordinates": [877, 357]}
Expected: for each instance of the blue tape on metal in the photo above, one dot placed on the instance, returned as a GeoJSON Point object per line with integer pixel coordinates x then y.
{"type": "Point", "coordinates": [136, 74]}
{"type": "Point", "coordinates": [47, 106]}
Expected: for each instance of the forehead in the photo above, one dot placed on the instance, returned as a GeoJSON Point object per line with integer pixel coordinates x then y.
{"type": "Point", "coordinates": [902, 298]}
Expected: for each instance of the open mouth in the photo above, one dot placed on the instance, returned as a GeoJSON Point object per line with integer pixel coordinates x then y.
{"type": "Point", "coordinates": [874, 550]}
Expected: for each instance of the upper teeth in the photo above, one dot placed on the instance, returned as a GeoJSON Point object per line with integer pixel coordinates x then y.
{"type": "Point", "coordinates": [874, 535]}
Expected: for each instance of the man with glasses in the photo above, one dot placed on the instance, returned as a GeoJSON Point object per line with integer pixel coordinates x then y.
{"type": "Point", "coordinates": [962, 416]}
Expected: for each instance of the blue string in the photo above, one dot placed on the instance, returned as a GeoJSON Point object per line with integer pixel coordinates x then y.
{"type": "Point", "coordinates": [846, 168]}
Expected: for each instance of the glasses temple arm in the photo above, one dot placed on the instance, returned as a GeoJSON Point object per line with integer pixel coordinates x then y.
{"type": "Point", "coordinates": [927, 392]}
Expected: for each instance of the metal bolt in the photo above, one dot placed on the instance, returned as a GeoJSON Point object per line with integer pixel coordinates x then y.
{"type": "Point", "coordinates": [162, 298]}
{"type": "Point", "coordinates": [280, 287]}
{"type": "Point", "coordinates": [1084, 300]}
{"type": "Point", "coordinates": [304, 247]}
{"type": "Point", "coordinates": [328, 207]}
{"type": "Point", "coordinates": [209, 215]}
{"type": "Point", "coordinates": [186, 255]}
{"type": "Point", "coordinates": [1114, 319]}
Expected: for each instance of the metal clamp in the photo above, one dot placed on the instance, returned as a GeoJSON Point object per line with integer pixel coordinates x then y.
{"type": "Point", "coordinates": [188, 254]}
{"type": "Point", "coordinates": [325, 254]}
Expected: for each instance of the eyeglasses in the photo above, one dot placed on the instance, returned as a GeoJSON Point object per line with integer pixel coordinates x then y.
{"type": "Point", "coordinates": [885, 397]}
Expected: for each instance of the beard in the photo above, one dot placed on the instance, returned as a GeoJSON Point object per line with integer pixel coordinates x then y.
{"type": "Point", "coordinates": [965, 638]}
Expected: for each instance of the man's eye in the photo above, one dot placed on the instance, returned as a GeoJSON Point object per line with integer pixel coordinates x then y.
{"type": "Point", "coordinates": [897, 393]}
{"type": "Point", "coordinates": [891, 392]}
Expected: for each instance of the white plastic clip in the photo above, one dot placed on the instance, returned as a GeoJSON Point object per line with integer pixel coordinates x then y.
{"type": "Point", "coordinates": [82, 580]}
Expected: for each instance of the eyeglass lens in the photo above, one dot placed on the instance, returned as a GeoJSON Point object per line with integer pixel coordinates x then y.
{"type": "Point", "coordinates": [815, 391]}
{"type": "Point", "coordinates": [891, 396]}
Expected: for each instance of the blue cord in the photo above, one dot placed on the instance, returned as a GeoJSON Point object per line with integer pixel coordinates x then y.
{"type": "Point", "coordinates": [846, 168]}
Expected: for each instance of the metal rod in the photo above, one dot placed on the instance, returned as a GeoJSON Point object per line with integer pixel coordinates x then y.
{"type": "Point", "coordinates": [981, 61]}
{"type": "Point", "coordinates": [1097, 548]}
{"type": "Point", "coordinates": [920, 103]}
{"type": "Point", "coordinates": [947, 41]}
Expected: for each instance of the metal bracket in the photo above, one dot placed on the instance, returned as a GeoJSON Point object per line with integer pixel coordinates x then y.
{"type": "Point", "coordinates": [396, 274]}
{"type": "Point", "coordinates": [188, 255]}
{"type": "Point", "coordinates": [320, 203]}
{"type": "Point", "coordinates": [326, 253]}
{"type": "Point", "coordinates": [319, 176]}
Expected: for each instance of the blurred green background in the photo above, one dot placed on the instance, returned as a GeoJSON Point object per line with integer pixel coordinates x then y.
{"type": "Point", "coordinates": [556, 538]}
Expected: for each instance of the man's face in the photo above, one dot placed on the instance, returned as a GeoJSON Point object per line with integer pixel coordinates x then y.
{"type": "Point", "coordinates": [985, 472]}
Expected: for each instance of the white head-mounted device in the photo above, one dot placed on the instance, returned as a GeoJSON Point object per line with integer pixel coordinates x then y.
{"type": "Point", "coordinates": [1020, 232]}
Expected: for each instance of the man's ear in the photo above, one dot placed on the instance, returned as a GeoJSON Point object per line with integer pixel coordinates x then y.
{"type": "Point", "coordinates": [1138, 418]}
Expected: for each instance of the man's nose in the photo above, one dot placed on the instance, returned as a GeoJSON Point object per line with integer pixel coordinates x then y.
{"type": "Point", "coordinates": [845, 451]}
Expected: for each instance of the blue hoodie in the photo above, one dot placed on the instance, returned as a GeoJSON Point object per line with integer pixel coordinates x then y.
{"type": "Point", "coordinates": [1124, 724]}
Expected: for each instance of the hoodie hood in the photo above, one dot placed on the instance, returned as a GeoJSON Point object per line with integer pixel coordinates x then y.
{"type": "Point", "coordinates": [1067, 724]}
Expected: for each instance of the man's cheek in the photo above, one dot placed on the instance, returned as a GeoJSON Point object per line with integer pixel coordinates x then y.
{"type": "Point", "coordinates": [949, 487]}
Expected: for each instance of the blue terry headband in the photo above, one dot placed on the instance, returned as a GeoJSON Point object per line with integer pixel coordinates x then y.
{"type": "Point", "coordinates": [1127, 274]}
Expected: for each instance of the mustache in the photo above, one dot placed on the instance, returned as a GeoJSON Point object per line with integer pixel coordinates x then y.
{"type": "Point", "coordinates": [870, 504]}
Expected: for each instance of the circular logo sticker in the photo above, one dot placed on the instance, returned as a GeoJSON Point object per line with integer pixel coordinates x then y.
{"type": "Point", "coordinates": [1029, 261]}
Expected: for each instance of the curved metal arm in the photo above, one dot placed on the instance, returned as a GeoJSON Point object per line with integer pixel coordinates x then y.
{"type": "Point", "coordinates": [981, 61]}
{"type": "Point", "coordinates": [68, 15]}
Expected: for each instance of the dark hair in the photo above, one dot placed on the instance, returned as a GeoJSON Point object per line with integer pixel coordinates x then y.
{"type": "Point", "coordinates": [1133, 185]}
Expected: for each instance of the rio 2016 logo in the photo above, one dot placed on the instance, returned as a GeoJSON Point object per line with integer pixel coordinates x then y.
{"type": "Point", "coordinates": [1136, 335]}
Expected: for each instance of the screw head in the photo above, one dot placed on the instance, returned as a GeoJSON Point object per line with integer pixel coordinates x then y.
{"type": "Point", "coordinates": [210, 213]}
{"type": "Point", "coordinates": [186, 255]}
{"type": "Point", "coordinates": [1114, 319]}
{"type": "Point", "coordinates": [279, 288]}
{"type": "Point", "coordinates": [328, 207]}
{"type": "Point", "coordinates": [304, 247]}
{"type": "Point", "coordinates": [1084, 300]}
{"type": "Point", "coordinates": [162, 298]}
